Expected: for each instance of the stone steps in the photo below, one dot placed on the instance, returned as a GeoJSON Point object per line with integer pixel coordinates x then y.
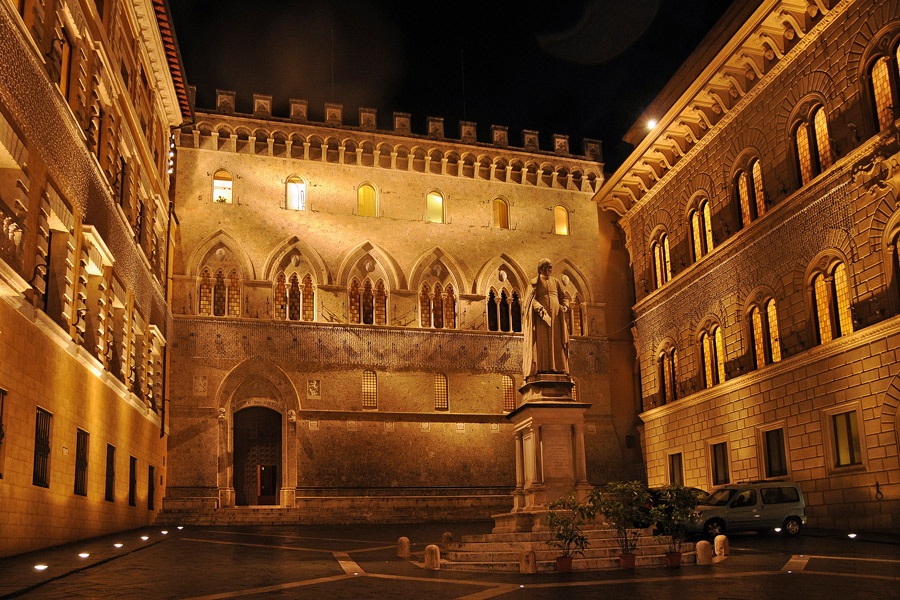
{"type": "Point", "coordinates": [578, 564]}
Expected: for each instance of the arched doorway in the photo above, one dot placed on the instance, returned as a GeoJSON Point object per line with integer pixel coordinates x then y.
{"type": "Point", "coordinates": [257, 456]}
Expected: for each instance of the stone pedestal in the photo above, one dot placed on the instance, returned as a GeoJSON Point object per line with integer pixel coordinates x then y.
{"type": "Point", "coordinates": [288, 497]}
{"type": "Point", "coordinates": [226, 497]}
{"type": "Point", "coordinates": [550, 462]}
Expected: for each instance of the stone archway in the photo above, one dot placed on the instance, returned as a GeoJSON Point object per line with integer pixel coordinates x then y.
{"type": "Point", "coordinates": [258, 460]}
{"type": "Point", "coordinates": [258, 386]}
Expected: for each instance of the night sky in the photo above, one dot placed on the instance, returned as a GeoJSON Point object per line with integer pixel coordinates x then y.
{"type": "Point", "coordinates": [583, 68]}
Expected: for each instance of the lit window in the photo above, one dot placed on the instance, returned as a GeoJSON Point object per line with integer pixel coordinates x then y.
{"type": "Point", "coordinates": [449, 308]}
{"type": "Point", "coordinates": [667, 270]}
{"type": "Point", "coordinates": [846, 440]}
{"type": "Point", "coordinates": [501, 214]}
{"type": "Point", "coordinates": [369, 390]}
{"type": "Point", "coordinates": [759, 344]}
{"type": "Point", "coordinates": [380, 304]}
{"type": "Point", "coordinates": [759, 191]}
{"type": "Point", "coordinates": [776, 460]}
{"type": "Point", "coordinates": [744, 198]}
{"type": "Point", "coordinates": [720, 353]}
{"type": "Point", "coordinates": [881, 93]}
{"type": "Point", "coordinates": [842, 294]}
{"type": "Point", "coordinates": [425, 306]}
{"type": "Point", "coordinates": [434, 207]}
{"type": "Point", "coordinates": [764, 334]}
{"type": "Point", "coordinates": [561, 220]}
{"type": "Point", "coordinates": [698, 237]}
{"type": "Point", "coordinates": [219, 295]}
{"type": "Point", "coordinates": [577, 315]}
{"type": "Point", "coordinates": [662, 262]}
{"type": "Point", "coordinates": [296, 194]}
{"type": "Point", "coordinates": [707, 223]}
{"type": "Point", "coordinates": [774, 337]}
{"type": "Point", "coordinates": [801, 139]}
{"type": "Point", "coordinates": [574, 391]}
{"type": "Point", "coordinates": [831, 295]}
{"type": "Point", "coordinates": [308, 299]}
{"type": "Point", "coordinates": [719, 463]}
{"type": "Point", "coordinates": [823, 313]}
{"type": "Point", "coordinates": [823, 142]}
{"type": "Point", "coordinates": [206, 294]}
{"type": "Point", "coordinates": [280, 297]}
{"type": "Point", "coordinates": [657, 265]}
{"type": "Point", "coordinates": [508, 392]}
{"type": "Point", "coordinates": [353, 293]}
{"type": "Point", "coordinates": [708, 355]}
{"type": "Point", "coordinates": [366, 200]}
{"type": "Point", "coordinates": [234, 295]}
{"type": "Point", "coordinates": [222, 187]}
{"type": "Point", "coordinates": [440, 392]}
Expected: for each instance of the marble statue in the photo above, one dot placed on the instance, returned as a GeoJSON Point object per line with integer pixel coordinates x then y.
{"type": "Point", "coordinates": [546, 347]}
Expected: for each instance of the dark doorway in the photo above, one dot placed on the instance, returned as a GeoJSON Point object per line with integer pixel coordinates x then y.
{"type": "Point", "coordinates": [257, 456]}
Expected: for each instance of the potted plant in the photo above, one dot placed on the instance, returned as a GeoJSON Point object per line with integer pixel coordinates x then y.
{"type": "Point", "coordinates": [566, 518]}
{"type": "Point", "coordinates": [623, 503]}
{"type": "Point", "coordinates": [676, 505]}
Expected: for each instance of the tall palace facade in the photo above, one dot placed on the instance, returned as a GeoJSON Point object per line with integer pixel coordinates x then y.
{"type": "Point", "coordinates": [762, 222]}
{"type": "Point", "coordinates": [89, 92]}
{"type": "Point", "coordinates": [347, 313]}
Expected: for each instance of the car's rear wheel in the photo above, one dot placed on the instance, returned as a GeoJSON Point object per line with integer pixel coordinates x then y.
{"type": "Point", "coordinates": [714, 527]}
{"type": "Point", "coordinates": [791, 526]}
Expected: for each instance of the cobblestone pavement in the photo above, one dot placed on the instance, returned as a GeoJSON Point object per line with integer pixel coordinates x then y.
{"type": "Point", "coordinates": [360, 562]}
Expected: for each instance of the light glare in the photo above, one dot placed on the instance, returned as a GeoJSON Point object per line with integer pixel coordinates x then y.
{"type": "Point", "coordinates": [117, 545]}
{"type": "Point", "coordinates": [84, 555]}
{"type": "Point", "coordinates": [40, 567]}
{"type": "Point", "coordinates": [651, 123]}
{"type": "Point", "coordinates": [851, 536]}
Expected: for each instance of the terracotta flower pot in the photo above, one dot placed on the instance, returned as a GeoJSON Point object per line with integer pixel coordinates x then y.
{"type": "Point", "coordinates": [564, 564]}
{"type": "Point", "coordinates": [673, 559]}
{"type": "Point", "coordinates": [626, 561]}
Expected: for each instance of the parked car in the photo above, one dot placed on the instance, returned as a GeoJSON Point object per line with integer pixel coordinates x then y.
{"type": "Point", "coordinates": [754, 505]}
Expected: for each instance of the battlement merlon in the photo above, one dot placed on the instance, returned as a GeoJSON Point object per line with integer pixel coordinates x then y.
{"type": "Point", "coordinates": [592, 149]}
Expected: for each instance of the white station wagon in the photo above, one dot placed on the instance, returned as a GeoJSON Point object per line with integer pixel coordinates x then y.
{"type": "Point", "coordinates": [754, 505]}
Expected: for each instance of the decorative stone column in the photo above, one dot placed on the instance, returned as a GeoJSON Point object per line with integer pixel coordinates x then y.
{"type": "Point", "coordinates": [550, 461]}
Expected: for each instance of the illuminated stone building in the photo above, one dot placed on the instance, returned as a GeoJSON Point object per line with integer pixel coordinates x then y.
{"type": "Point", "coordinates": [762, 222]}
{"type": "Point", "coordinates": [347, 314]}
{"type": "Point", "coordinates": [88, 94]}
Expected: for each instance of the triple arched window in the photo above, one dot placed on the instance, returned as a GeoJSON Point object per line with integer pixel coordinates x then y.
{"type": "Point", "coordinates": [750, 192]}
{"type": "Point", "coordinates": [764, 333]}
{"type": "Point", "coordinates": [294, 299]}
{"type": "Point", "coordinates": [812, 145]}
{"type": "Point", "coordinates": [701, 229]}
{"type": "Point", "coordinates": [712, 356]}
{"type": "Point", "coordinates": [220, 294]}
{"type": "Point", "coordinates": [667, 364]}
{"type": "Point", "coordinates": [437, 306]}
{"type": "Point", "coordinates": [662, 262]}
{"type": "Point", "coordinates": [368, 302]}
{"type": "Point", "coordinates": [831, 302]}
{"type": "Point", "coordinates": [504, 310]}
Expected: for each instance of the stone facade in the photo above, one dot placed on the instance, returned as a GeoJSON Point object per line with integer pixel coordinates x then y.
{"type": "Point", "coordinates": [392, 287]}
{"type": "Point", "coordinates": [86, 102]}
{"type": "Point", "coordinates": [815, 232]}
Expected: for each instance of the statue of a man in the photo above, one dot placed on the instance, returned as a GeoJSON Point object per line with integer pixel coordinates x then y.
{"type": "Point", "coordinates": [546, 333]}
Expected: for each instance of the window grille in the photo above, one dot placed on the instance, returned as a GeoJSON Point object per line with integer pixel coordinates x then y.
{"type": "Point", "coordinates": [509, 393]}
{"type": "Point", "coordinates": [81, 462]}
{"type": "Point", "coordinates": [110, 472]}
{"type": "Point", "coordinates": [132, 481]}
{"type": "Point", "coordinates": [369, 390]}
{"type": "Point", "coordinates": [41, 476]}
{"type": "Point", "coordinates": [441, 401]}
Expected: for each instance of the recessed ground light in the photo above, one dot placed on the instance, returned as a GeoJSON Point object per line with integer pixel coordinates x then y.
{"type": "Point", "coordinates": [778, 530]}
{"type": "Point", "coordinates": [117, 545]}
{"type": "Point", "coordinates": [84, 555]}
{"type": "Point", "coordinates": [145, 538]}
{"type": "Point", "coordinates": [851, 536]}
{"type": "Point", "coordinates": [180, 527]}
{"type": "Point", "coordinates": [164, 532]}
{"type": "Point", "coordinates": [40, 567]}
{"type": "Point", "coordinates": [651, 124]}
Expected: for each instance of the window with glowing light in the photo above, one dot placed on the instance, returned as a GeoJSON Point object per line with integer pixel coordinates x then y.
{"type": "Point", "coordinates": [701, 230]}
{"type": "Point", "coordinates": [750, 192]}
{"type": "Point", "coordinates": [295, 194]}
{"type": "Point", "coordinates": [434, 207]}
{"type": "Point", "coordinates": [662, 261]}
{"type": "Point", "coordinates": [712, 356]}
{"type": "Point", "coordinates": [561, 220]}
{"type": "Point", "coordinates": [667, 373]}
{"type": "Point", "coordinates": [365, 200]}
{"type": "Point", "coordinates": [882, 94]}
{"type": "Point", "coordinates": [831, 302]}
{"type": "Point", "coordinates": [501, 214]}
{"type": "Point", "coordinates": [766, 342]}
{"type": "Point", "coordinates": [222, 187]}
{"type": "Point", "coordinates": [812, 145]}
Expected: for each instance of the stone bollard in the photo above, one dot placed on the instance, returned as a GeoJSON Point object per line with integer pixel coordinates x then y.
{"type": "Point", "coordinates": [432, 557]}
{"type": "Point", "coordinates": [704, 553]}
{"type": "Point", "coordinates": [722, 546]}
{"type": "Point", "coordinates": [527, 563]}
{"type": "Point", "coordinates": [446, 539]}
{"type": "Point", "coordinates": [403, 547]}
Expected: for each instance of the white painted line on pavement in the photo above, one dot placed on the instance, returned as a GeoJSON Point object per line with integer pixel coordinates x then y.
{"type": "Point", "coordinates": [254, 545]}
{"type": "Point", "coordinates": [796, 563]}
{"type": "Point", "coordinates": [371, 549]}
{"type": "Point", "coordinates": [269, 588]}
{"type": "Point", "coordinates": [854, 575]}
{"type": "Point", "coordinates": [490, 592]}
{"type": "Point", "coordinates": [347, 564]}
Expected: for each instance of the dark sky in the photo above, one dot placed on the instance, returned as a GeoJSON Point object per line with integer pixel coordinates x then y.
{"type": "Point", "coordinates": [585, 68]}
